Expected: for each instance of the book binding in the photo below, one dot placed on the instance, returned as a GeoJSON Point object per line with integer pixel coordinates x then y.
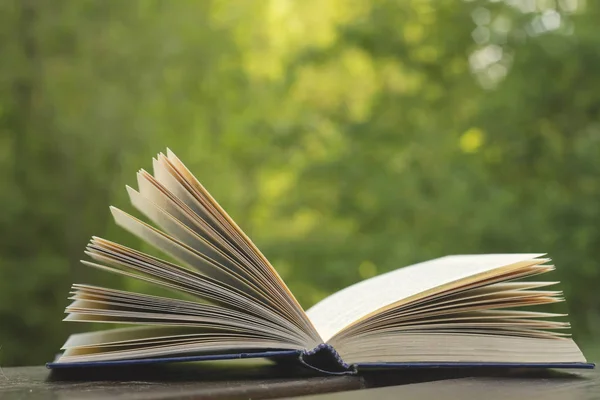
{"type": "Point", "coordinates": [325, 359]}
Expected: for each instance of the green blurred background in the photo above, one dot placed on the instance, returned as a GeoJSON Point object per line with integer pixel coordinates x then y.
{"type": "Point", "coordinates": [347, 137]}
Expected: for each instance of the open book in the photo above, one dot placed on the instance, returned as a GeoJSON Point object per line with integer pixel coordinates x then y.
{"type": "Point", "coordinates": [229, 302]}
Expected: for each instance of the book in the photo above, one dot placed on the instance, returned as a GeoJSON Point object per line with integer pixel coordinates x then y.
{"type": "Point", "coordinates": [224, 300]}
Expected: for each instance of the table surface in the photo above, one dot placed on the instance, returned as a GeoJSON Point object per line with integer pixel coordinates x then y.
{"type": "Point", "coordinates": [572, 386]}
{"type": "Point", "coordinates": [265, 381]}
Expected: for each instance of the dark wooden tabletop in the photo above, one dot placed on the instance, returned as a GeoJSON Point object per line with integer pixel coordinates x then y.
{"type": "Point", "coordinates": [519, 386]}
{"type": "Point", "coordinates": [266, 381]}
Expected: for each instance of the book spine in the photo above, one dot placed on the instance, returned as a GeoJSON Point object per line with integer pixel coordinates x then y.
{"type": "Point", "coordinates": [325, 359]}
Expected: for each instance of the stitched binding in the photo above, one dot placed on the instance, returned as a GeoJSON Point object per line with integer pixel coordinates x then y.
{"type": "Point", "coordinates": [333, 352]}
{"type": "Point", "coordinates": [325, 359]}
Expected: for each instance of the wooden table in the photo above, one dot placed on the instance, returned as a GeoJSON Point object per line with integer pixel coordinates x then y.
{"type": "Point", "coordinates": [578, 386]}
{"type": "Point", "coordinates": [265, 381]}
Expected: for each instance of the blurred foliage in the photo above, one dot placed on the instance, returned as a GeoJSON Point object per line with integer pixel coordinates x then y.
{"type": "Point", "coordinates": [347, 137]}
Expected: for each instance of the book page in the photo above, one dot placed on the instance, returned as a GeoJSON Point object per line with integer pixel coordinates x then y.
{"type": "Point", "coordinates": [219, 218]}
{"type": "Point", "coordinates": [447, 346]}
{"type": "Point", "coordinates": [355, 302]}
{"type": "Point", "coordinates": [222, 290]}
{"type": "Point", "coordinates": [168, 326]}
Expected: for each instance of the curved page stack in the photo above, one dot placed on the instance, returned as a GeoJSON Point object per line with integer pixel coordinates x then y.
{"type": "Point", "coordinates": [228, 302]}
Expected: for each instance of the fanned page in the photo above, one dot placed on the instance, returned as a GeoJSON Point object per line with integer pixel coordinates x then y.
{"type": "Point", "coordinates": [464, 308]}
{"type": "Point", "coordinates": [226, 295]}
{"type": "Point", "coordinates": [351, 304]}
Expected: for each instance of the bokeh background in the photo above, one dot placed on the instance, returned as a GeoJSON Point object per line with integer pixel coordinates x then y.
{"type": "Point", "coordinates": [347, 137]}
